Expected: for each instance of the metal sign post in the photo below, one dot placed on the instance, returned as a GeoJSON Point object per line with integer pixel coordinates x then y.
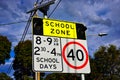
{"type": "Point", "coordinates": [82, 77]}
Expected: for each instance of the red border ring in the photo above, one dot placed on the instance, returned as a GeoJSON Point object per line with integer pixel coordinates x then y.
{"type": "Point", "coordinates": [72, 66]}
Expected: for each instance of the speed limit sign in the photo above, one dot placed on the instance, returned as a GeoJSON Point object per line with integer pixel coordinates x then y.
{"type": "Point", "coordinates": [75, 56]}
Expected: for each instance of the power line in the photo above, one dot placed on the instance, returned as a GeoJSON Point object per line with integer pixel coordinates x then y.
{"type": "Point", "coordinates": [12, 23]}
{"type": "Point", "coordinates": [28, 23]}
{"type": "Point", "coordinates": [21, 34]}
{"type": "Point", "coordinates": [27, 27]}
{"type": "Point", "coordinates": [24, 34]}
{"type": "Point", "coordinates": [37, 1]}
{"type": "Point", "coordinates": [55, 8]}
{"type": "Point", "coordinates": [22, 39]}
{"type": "Point", "coordinates": [4, 24]}
{"type": "Point", "coordinates": [41, 1]}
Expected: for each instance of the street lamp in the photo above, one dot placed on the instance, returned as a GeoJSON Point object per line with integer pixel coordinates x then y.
{"type": "Point", "coordinates": [102, 34]}
{"type": "Point", "coordinates": [99, 34]}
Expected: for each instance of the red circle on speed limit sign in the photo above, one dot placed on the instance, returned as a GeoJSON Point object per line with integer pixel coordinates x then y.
{"type": "Point", "coordinates": [67, 62]}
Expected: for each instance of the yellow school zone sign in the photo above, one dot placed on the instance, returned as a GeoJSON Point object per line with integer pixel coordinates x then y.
{"type": "Point", "coordinates": [59, 28]}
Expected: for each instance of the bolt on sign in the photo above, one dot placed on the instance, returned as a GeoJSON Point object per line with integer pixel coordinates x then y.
{"type": "Point", "coordinates": [59, 46]}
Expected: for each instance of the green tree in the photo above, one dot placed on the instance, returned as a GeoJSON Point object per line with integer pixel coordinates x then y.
{"type": "Point", "coordinates": [5, 47]}
{"type": "Point", "coordinates": [94, 72]}
{"type": "Point", "coordinates": [23, 60]}
{"type": "Point", "coordinates": [3, 76]}
{"type": "Point", "coordinates": [106, 64]}
{"type": "Point", "coordinates": [62, 76]}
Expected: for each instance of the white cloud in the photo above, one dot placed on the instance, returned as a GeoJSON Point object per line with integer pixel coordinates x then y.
{"type": "Point", "coordinates": [2, 29]}
{"type": "Point", "coordinates": [115, 42]}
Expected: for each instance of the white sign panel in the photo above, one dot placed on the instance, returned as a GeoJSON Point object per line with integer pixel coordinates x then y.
{"type": "Point", "coordinates": [75, 56]}
{"type": "Point", "coordinates": [47, 53]}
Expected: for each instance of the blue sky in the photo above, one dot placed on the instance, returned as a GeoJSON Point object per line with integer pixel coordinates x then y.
{"type": "Point", "coordinates": [97, 15]}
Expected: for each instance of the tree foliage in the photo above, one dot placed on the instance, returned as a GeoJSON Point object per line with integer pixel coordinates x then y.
{"type": "Point", "coordinates": [3, 76]}
{"type": "Point", "coordinates": [106, 64]}
{"type": "Point", "coordinates": [5, 47]}
{"type": "Point", "coordinates": [23, 60]}
{"type": "Point", "coordinates": [62, 76]}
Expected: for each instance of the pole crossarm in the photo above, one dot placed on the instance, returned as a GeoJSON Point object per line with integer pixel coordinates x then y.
{"type": "Point", "coordinates": [40, 7]}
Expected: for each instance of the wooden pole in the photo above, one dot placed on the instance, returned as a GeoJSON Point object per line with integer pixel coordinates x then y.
{"type": "Point", "coordinates": [37, 75]}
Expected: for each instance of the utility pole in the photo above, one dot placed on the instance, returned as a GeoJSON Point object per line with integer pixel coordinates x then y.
{"type": "Point", "coordinates": [43, 8]}
{"type": "Point", "coordinates": [37, 74]}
